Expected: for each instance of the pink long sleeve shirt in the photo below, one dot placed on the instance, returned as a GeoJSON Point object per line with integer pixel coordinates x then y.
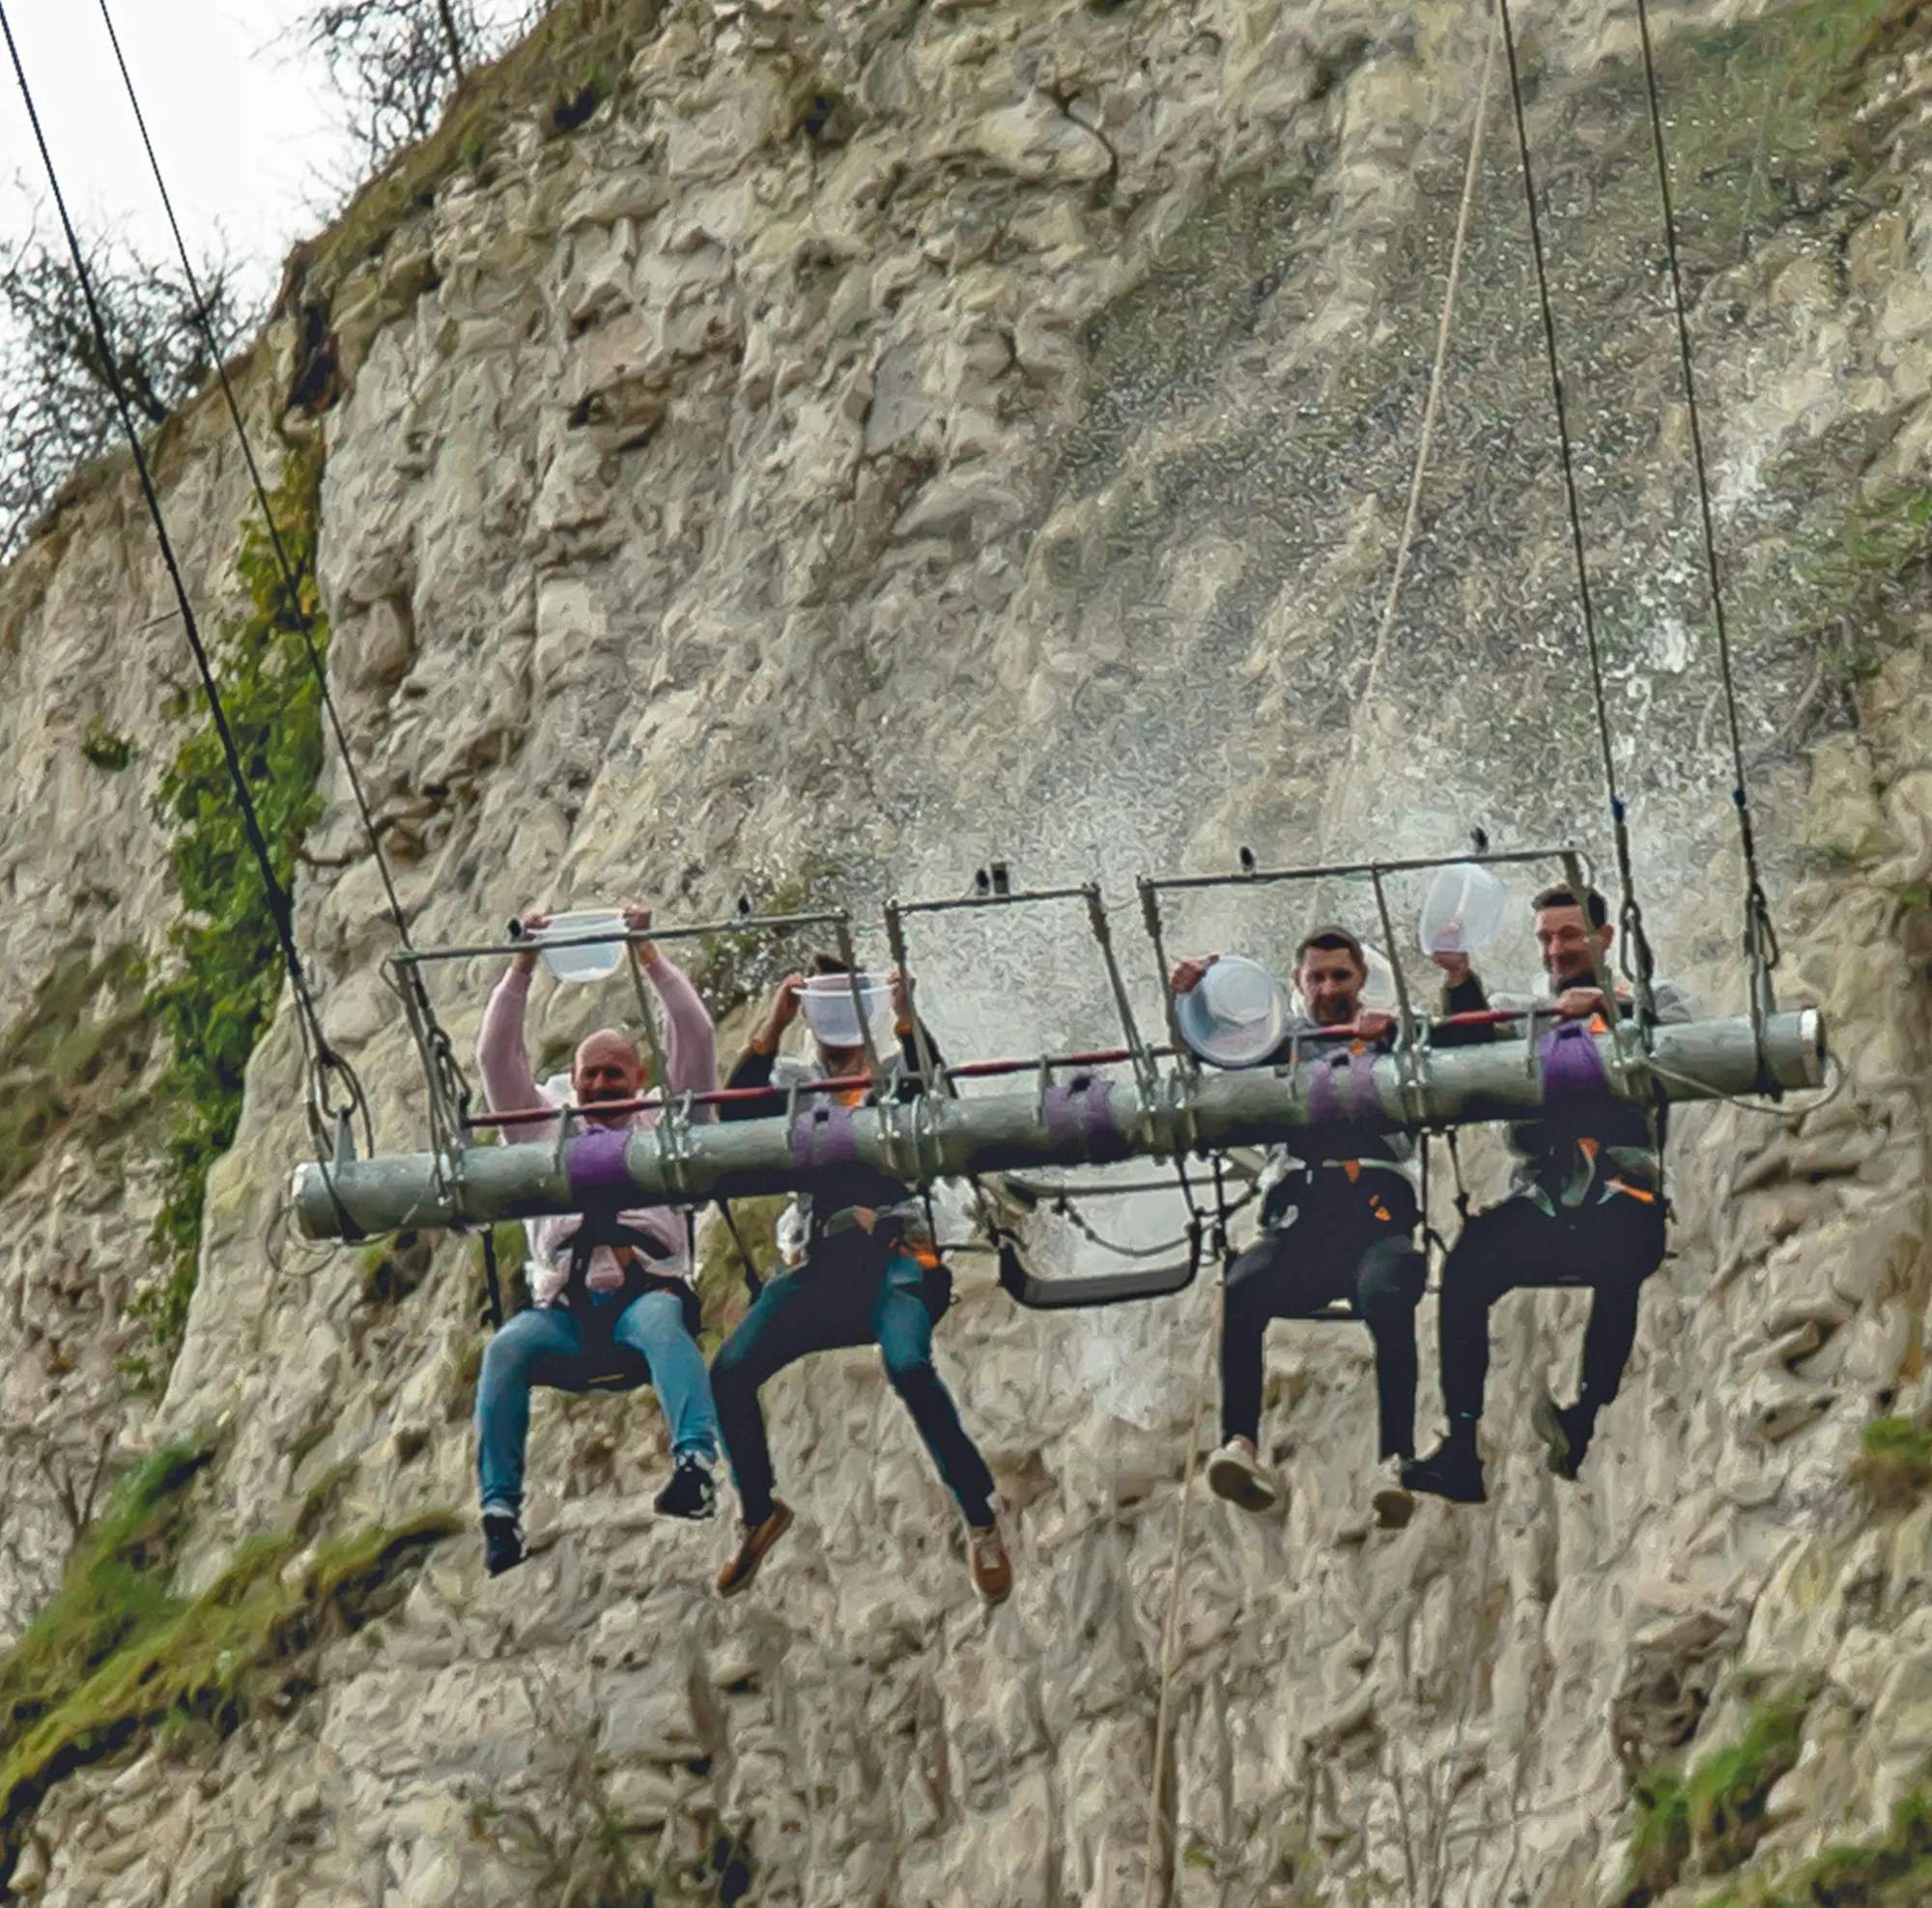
{"type": "Point", "coordinates": [691, 1066]}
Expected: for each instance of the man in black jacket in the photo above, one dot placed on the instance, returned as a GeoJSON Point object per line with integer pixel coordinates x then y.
{"type": "Point", "coordinates": [1337, 1223]}
{"type": "Point", "coordinates": [1586, 1198]}
{"type": "Point", "coordinates": [867, 1271]}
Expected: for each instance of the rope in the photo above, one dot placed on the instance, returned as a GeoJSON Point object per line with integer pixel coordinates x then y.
{"type": "Point", "coordinates": [1411, 517]}
{"type": "Point", "coordinates": [291, 579]}
{"type": "Point", "coordinates": [1630, 919]}
{"type": "Point", "coordinates": [325, 1062]}
{"type": "Point", "coordinates": [1761, 949]}
{"type": "Point", "coordinates": [448, 1090]}
{"type": "Point", "coordinates": [1154, 1892]}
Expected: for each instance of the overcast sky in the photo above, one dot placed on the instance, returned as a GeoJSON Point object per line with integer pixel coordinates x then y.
{"type": "Point", "coordinates": [243, 121]}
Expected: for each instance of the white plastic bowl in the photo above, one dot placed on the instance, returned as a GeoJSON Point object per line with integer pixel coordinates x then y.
{"type": "Point", "coordinates": [591, 961]}
{"type": "Point", "coordinates": [827, 1005]}
{"type": "Point", "coordinates": [1237, 1016]}
{"type": "Point", "coordinates": [1465, 912]}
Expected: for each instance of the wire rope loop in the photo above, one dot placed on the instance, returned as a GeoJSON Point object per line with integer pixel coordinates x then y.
{"type": "Point", "coordinates": [1065, 1209]}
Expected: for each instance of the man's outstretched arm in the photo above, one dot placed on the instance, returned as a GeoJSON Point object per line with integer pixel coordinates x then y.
{"type": "Point", "coordinates": [501, 1054]}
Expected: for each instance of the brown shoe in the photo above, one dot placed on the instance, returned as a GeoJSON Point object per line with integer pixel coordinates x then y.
{"type": "Point", "coordinates": [737, 1574]}
{"type": "Point", "coordinates": [992, 1569]}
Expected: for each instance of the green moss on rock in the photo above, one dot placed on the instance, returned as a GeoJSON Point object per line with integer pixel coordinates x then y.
{"type": "Point", "coordinates": [1708, 1822]}
{"type": "Point", "coordinates": [1893, 1467]}
{"type": "Point", "coordinates": [225, 969]}
{"type": "Point", "coordinates": [116, 1654]}
{"type": "Point", "coordinates": [74, 1064]}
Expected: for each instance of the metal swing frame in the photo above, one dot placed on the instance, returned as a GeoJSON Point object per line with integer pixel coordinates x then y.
{"type": "Point", "coordinates": [1162, 1114]}
{"type": "Point", "coordinates": [452, 1122]}
{"type": "Point", "coordinates": [1017, 1280]}
{"type": "Point", "coordinates": [1411, 1043]}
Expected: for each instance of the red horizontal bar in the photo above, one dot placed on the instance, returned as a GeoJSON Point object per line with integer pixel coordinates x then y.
{"type": "Point", "coordinates": [717, 1096]}
{"type": "Point", "coordinates": [1482, 1016]}
{"type": "Point", "coordinates": [987, 1069]}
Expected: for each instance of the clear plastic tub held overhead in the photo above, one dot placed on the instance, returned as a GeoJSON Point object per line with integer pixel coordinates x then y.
{"type": "Point", "coordinates": [592, 961]}
{"type": "Point", "coordinates": [829, 1010]}
{"type": "Point", "coordinates": [1465, 911]}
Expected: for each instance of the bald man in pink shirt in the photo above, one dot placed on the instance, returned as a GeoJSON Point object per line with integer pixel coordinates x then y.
{"type": "Point", "coordinates": [632, 1288]}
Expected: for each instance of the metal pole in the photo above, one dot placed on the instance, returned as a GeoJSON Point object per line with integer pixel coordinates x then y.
{"type": "Point", "coordinates": [1101, 1122]}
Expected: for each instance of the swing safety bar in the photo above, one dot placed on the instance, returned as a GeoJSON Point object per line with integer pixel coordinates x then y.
{"type": "Point", "coordinates": [972, 1069]}
{"type": "Point", "coordinates": [1039, 1295]}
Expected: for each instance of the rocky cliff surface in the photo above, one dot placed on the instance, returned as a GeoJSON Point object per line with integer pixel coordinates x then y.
{"type": "Point", "coordinates": [818, 450]}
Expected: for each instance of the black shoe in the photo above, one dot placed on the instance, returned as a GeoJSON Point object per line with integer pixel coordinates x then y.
{"type": "Point", "coordinates": [1451, 1470]}
{"type": "Point", "coordinates": [691, 1492]}
{"type": "Point", "coordinates": [1565, 1430]}
{"type": "Point", "coordinates": [502, 1541]}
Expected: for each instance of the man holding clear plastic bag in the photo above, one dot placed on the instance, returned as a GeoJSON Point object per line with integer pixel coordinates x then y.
{"type": "Point", "coordinates": [862, 1268]}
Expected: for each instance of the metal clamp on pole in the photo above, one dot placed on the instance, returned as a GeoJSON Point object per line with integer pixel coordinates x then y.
{"type": "Point", "coordinates": [1408, 1054]}
{"type": "Point", "coordinates": [1145, 1076]}
{"type": "Point", "coordinates": [1186, 1067]}
{"type": "Point", "coordinates": [874, 1066]}
{"type": "Point", "coordinates": [1620, 1041]}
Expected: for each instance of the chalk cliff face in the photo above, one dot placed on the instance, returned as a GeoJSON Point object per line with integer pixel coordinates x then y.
{"type": "Point", "coordinates": [890, 436]}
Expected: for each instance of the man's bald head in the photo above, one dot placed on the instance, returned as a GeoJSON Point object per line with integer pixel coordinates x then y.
{"type": "Point", "coordinates": [607, 1066]}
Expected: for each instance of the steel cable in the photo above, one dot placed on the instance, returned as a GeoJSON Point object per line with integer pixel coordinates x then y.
{"type": "Point", "coordinates": [1638, 960]}
{"type": "Point", "coordinates": [1760, 939]}
{"type": "Point", "coordinates": [291, 579]}
{"type": "Point", "coordinates": [325, 1064]}
{"type": "Point", "coordinates": [450, 1092]}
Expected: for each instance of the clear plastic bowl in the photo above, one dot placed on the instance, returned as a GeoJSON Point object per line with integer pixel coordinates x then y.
{"type": "Point", "coordinates": [1237, 1016]}
{"type": "Point", "coordinates": [827, 1005]}
{"type": "Point", "coordinates": [590, 962]}
{"type": "Point", "coordinates": [1465, 912]}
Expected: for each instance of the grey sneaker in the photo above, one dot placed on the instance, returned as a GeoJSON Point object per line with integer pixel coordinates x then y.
{"type": "Point", "coordinates": [1235, 1473]}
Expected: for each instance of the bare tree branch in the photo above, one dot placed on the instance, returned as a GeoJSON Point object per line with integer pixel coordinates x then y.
{"type": "Point", "coordinates": [56, 400]}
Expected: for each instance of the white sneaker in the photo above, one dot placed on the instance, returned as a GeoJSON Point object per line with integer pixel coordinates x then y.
{"type": "Point", "coordinates": [1235, 1473]}
{"type": "Point", "coordinates": [1393, 1501]}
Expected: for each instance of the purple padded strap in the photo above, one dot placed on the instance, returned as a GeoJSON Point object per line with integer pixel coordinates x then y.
{"type": "Point", "coordinates": [1344, 1087]}
{"type": "Point", "coordinates": [824, 1136]}
{"type": "Point", "coordinates": [1080, 1119]}
{"type": "Point", "coordinates": [1571, 1065]}
{"type": "Point", "coordinates": [596, 1165]}
{"type": "Point", "coordinates": [1105, 1140]}
{"type": "Point", "coordinates": [1063, 1117]}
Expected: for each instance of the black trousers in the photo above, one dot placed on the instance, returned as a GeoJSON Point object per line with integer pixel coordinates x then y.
{"type": "Point", "coordinates": [1611, 1247]}
{"type": "Point", "coordinates": [1294, 1270]}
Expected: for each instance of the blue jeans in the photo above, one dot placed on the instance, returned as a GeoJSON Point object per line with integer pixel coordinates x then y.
{"type": "Point", "coordinates": [843, 1296]}
{"type": "Point", "coordinates": [542, 1346]}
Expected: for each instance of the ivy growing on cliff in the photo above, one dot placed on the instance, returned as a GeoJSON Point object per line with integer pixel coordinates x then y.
{"type": "Point", "coordinates": [118, 1653]}
{"type": "Point", "coordinates": [1708, 1822]}
{"type": "Point", "coordinates": [224, 975]}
